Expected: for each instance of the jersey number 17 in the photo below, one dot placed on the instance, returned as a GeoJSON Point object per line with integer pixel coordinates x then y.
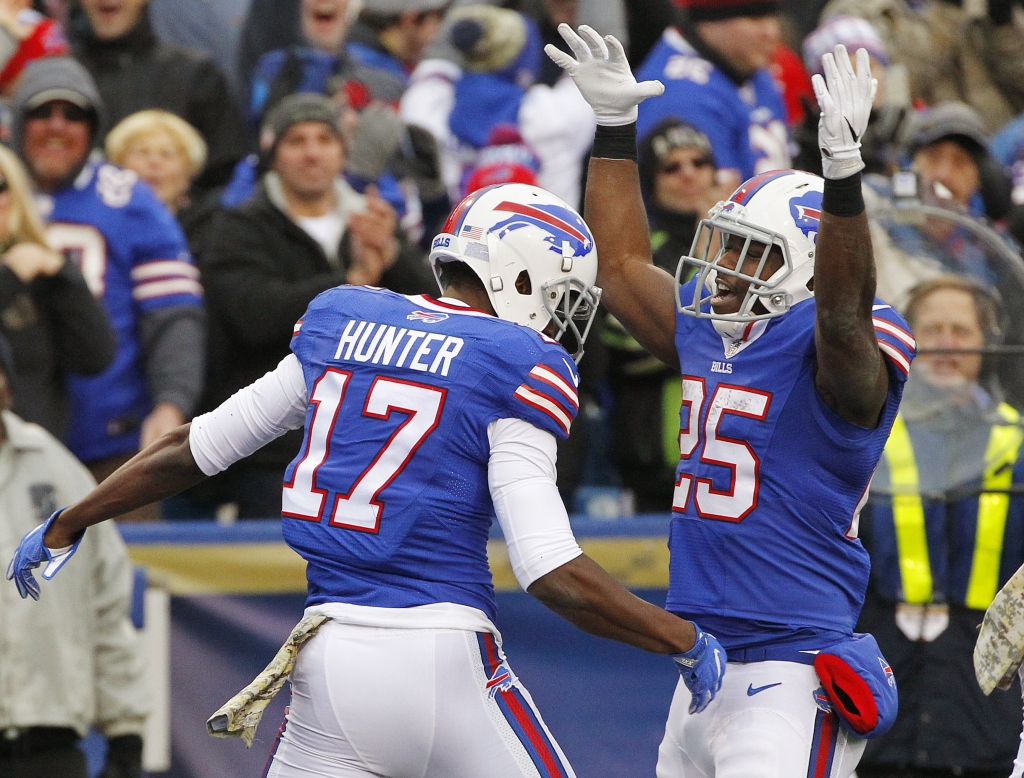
{"type": "Point", "coordinates": [360, 508]}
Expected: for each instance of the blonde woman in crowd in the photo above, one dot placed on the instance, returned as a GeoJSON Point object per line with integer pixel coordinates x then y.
{"type": "Point", "coordinates": [166, 151]}
{"type": "Point", "coordinates": [54, 324]}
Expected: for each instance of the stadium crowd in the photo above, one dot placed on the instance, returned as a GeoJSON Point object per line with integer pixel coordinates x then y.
{"type": "Point", "coordinates": [179, 180]}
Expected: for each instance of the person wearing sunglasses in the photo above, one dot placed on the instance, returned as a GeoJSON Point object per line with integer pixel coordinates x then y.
{"type": "Point", "coordinates": [134, 258]}
{"type": "Point", "coordinates": [679, 181]}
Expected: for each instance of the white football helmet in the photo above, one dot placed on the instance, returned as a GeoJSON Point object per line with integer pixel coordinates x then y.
{"type": "Point", "coordinates": [534, 254]}
{"type": "Point", "coordinates": [781, 208]}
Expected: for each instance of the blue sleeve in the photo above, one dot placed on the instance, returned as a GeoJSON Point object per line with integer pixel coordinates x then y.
{"type": "Point", "coordinates": [162, 271]}
{"type": "Point", "coordinates": [545, 394]}
{"type": "Point", "coordinates": [243, 181]}
{"type": "Point", "coordinates": [267, 68]}
{"type": "Point", "coordinates": [895, 339]}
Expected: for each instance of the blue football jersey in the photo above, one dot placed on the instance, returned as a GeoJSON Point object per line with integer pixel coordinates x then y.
{"type": "Point", "coordinates": [133, 256]}
{"type": "Point", "coordinates": [746, 124]}
{"type": "Point", "coordinates": [763, 538]}
{"type": "Point", "coordinates": [388, 498]}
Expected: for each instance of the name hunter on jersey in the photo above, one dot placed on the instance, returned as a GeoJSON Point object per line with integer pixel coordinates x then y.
{"type": "Point", "coordinates": [391, 346]}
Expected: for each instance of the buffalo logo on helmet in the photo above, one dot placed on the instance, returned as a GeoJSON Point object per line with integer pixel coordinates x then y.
{"type": "Point", "coordinates": [806, 212]}
{"type": "Point", "coordinates": [561, 224]}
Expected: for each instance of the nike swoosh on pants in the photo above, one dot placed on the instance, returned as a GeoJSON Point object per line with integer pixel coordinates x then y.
{"type": "Point", "coordinates": [751, 691]}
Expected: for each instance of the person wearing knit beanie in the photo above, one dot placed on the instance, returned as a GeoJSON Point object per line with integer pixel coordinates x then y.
{"type": "Point", "coordinates": [714, 66]}
{"type": "Point", "coordinates": [295, 109]}
{"type": "Point", "coordinates": [491, 83]}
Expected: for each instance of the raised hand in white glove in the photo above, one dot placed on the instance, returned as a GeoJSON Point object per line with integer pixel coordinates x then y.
{"type": "Point", "coordinates": [602, 74]}
{"type": "Point", "coordinates": [845, 100]}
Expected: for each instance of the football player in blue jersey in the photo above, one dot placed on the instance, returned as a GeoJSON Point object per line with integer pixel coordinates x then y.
{"type": "Point", "coordinates": [424, 419]}
{"type": "Point", "coordinates": [792, 373]}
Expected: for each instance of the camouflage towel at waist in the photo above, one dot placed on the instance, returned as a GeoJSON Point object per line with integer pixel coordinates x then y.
{"type": "Point", "coordinates": [240, 715]}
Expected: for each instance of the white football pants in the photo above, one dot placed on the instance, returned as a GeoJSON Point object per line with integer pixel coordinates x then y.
{"type": "Point", "coordinates": [410, 703]}
{"type": "Point", "coordinates": [764, 723]}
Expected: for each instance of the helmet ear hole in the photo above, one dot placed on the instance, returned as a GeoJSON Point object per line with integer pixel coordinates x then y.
{"type": "Point", "coordinates": [523, 284]}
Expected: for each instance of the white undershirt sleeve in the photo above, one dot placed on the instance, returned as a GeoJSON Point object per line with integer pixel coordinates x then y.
{"type": "Point", "coordinates": [521, 476]}
{"type": "Point", "coordinates": [250, 418]}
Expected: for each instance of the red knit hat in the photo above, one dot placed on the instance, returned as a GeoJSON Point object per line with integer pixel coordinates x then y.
{"type": "Point", "coordinates": [717, 10]}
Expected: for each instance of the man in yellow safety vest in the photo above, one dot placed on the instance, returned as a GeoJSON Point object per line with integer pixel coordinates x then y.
{"type": "Point", "coordinates": [945, 530]}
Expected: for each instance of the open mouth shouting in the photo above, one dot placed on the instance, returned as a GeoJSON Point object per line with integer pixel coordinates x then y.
{"type": "Point", "coordinates": [726, 295]}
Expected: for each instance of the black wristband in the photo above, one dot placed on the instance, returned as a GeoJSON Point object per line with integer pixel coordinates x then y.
{"type": "Point", "coordinates": [615, 142]}
{"type": "Point", "coordinates": [843, 196]}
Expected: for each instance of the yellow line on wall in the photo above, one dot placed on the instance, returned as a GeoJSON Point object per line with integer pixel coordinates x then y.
{"type": "Point", "coordinates": [273, 568]}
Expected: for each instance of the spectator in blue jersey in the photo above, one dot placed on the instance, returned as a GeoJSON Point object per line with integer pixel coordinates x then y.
{"type": "Point", "coordinates": [714, 68]}
{"type": "Point", "coordinates": [135, 70]}
{"type": "Point", "coordinates": [943, 536]}
{"type": "Point", "coordinates": [303, 231]}
{"type": "Point", "coordinates": [52, 322]}
{"type": "Point", "coordinates": [133, 256]}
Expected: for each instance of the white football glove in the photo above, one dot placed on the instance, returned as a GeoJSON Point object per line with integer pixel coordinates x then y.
{"type": "Point", "coordinates": [602, 75]}
{"type": "Point", "coordinates": [845, 100]}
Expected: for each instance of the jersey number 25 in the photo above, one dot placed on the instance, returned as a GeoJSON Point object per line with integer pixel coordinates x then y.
{"type": "Point", "coordinates": [360, 508]}
{"type": "Point", "coordinates": [735, 503]}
